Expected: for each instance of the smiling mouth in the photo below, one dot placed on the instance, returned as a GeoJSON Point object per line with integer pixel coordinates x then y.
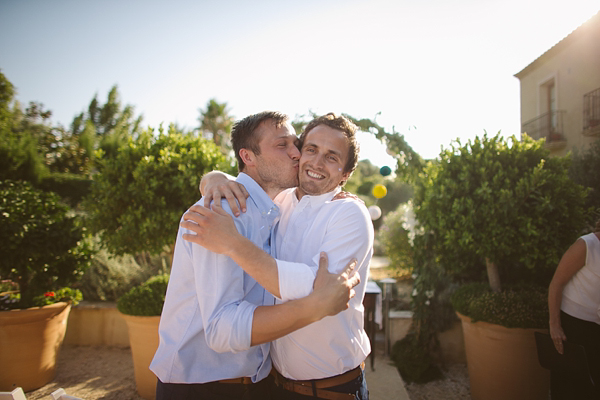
{"type": "Point", "coordinates": [314, 175]}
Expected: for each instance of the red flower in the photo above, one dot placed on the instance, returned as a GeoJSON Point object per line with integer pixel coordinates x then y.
{"type": "Point", "coordinates": [49, 294]}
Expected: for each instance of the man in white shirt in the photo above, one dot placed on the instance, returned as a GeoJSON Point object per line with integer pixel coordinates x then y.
{"type": "Point", "coordinates": [217, 322]}
{"type": "Point", "coordinates": [324, 359]}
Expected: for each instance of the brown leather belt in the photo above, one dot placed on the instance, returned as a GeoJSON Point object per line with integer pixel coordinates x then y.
{"type": "Point", "coordinates": [317, 387]}
{"type": "Point", "coordinates": [244, 381]}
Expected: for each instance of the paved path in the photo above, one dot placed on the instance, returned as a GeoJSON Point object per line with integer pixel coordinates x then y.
{"type": "Point", "coordinates": [385, 383]}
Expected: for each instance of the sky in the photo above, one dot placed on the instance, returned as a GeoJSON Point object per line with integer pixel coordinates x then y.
{"type": "Point", "coordinates": [432, 70]}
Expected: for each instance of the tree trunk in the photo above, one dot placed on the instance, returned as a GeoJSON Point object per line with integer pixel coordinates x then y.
{"type": "Point", "coordinates": [493, 275]}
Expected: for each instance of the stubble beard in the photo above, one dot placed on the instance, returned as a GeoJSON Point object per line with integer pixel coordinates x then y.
{"type": "Point", "coordinates": [272, 178]}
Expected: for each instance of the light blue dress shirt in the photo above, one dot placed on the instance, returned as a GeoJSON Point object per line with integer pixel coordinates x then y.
{"type": "Point", "coordinates": [206, 323]}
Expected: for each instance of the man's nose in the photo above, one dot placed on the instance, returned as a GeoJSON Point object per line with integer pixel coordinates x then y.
{"type": "Point", "coordinates": [294, 153]}
{"type": "Point", "coordinates": [320, 160]}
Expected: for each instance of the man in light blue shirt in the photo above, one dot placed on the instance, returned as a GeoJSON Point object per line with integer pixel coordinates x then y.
{"type": "Point", "coordinates": [217, 322]}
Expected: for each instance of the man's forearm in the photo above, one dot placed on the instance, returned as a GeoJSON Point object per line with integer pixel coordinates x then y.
{"type": "Point", "coordinates": [273, 322]}
{"type": "Point", "coordinates": [258, 264]}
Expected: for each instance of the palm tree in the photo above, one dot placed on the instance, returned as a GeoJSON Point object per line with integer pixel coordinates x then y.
{"type": "Point", "coordinates": [216, 123]}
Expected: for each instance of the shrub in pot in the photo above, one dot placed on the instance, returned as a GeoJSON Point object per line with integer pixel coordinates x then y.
{"type": "Point", "coordinates": [500, 210]}
{"type": "Point", "coordinates": [141, 308]}
{"type": "Point", "coordinates": [43, 251]}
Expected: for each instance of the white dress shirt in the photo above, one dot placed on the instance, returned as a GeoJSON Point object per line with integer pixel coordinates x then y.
{"type": "Point", "coordinates": [344, 230]}
{"type": "Point", "coordinates": [206, 324]}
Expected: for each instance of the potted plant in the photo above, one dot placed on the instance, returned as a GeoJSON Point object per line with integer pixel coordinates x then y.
{"type": "Point", "coordinates": [502, 211]}
{"type": "Point", "coordinates": [42, 252]}
{"type": "Point", "coordinates": [141, 308]}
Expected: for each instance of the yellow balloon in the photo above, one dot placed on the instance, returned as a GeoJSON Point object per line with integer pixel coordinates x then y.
{"type": "Point", "coordinates": [379, 191]}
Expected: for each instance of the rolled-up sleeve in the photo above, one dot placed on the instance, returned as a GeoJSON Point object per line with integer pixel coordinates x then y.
{"type": "Point", "coordinates": [226, 315]}
{"type": "Point", "coordinates": [295, 279]}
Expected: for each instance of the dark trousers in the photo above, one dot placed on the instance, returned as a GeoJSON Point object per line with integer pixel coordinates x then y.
{"type": "Point", "coordinates": [212, 391]}
{"type": "Point", "coordinates": [566, 386]}
{"type": "Point", "coordinates": [357, 387]}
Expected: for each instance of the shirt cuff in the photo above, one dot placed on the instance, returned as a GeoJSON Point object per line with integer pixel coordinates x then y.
{"type": "Point", "coordinates": [295, 280]}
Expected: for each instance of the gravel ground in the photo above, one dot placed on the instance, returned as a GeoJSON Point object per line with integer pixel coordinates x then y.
{"type": "Point", "coordinates": [454, 386]}
{"type": "Point", "coordinates": [93, 373]}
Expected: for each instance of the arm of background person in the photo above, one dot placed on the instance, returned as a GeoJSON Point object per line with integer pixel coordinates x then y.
{"type": "Point", "coordinates": [216, 185]}
{"type": "Point", "coordinates": [571, 262]}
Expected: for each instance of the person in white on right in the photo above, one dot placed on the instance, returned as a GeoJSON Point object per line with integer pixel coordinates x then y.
{"type": "Point", "coordinates": [574, 306]}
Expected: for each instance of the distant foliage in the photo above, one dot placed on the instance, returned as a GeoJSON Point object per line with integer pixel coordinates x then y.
{"type": "Point", "coordinates": [395, 237]}
{"type": "Point", "coordinates": [139, 195]}
{"type": "Point", "coordinates": [109, 277]}
{"type": "Point", "coordinates": [72, 188]}
{"type": "Point", "coordinates": [146, 300]}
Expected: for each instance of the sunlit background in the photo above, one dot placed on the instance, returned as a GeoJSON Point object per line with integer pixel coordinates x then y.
{"type": "Point", "coordinates": [432, 70]}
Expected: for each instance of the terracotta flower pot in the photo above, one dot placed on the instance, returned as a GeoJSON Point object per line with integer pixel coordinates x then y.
{"type": "Point", "coordinates": [503, 363]}
{"type": "Point", "coordinates": [143, 339]}
{"type": "Point", "coordinates": [30, 340]}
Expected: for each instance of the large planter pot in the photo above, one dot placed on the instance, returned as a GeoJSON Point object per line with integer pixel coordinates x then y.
{"type": "Point", "coordinates": [30, 340]}
{"type": "Point", "coordinates": [143, 339]}
{"type": "Point", "coordinates": [503, 363]}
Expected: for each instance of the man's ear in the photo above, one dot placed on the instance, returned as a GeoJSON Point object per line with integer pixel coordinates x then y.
{"type": "Point", "coordinates": [247, 157]}
{"type": "Point", "coordinates": [345, 177]}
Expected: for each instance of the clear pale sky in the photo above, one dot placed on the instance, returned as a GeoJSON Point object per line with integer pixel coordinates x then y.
{"type": "Point", "coordinates": [435, 70]}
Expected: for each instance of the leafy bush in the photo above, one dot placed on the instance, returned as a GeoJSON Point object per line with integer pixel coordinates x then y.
{"type": "Point", "coordinates": [146, 299]}
{"type": "Point", "coordinates": [110, 277]}
{"type": "Point", "coordinates": [516, 307]}
{"type": "Point", "coordinates": [432, 288]}
{"type": "Point", "coordinates": [395, 236]}
{"type": "Point", "coordinates": [43, 248]}
{"type": "Point", "coordinates": [71, 188]}
{"type": "Point", "coordinates": [139, 195]}
{"type": "Point", "coordinates": [413, 360]}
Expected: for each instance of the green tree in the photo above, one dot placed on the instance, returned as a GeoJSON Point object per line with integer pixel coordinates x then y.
{"type": "Point", "coordinates": [216, 124]}
{"type": "Point", "coordinates": [140, 193]}
{"type": "Point", "coordinates": [110, 124]}
{"type": "Point", "coordinates": [42, 245]}
{"type": "Point", "coordinates": [20, 157]}
{"type": "Point", "coordinates": [31, 146]}
{"type": "Point", "coordinates": [503, 204]}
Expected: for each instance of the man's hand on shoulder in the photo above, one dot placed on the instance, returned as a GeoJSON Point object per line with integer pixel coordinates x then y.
{"type": "Point", "coordinates": [212, 229]}
{"type": "Point", "coordinates": [217, 185]}
{"type": "Point", "coordinates": [346, 195]}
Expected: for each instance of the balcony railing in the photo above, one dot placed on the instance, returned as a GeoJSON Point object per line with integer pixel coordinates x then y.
{"type": "Point", "coordinates": [591, 111]}
{"type": "Point", "coordinates": [548, 125]}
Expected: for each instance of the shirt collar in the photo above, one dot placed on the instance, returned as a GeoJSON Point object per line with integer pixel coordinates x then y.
{"type": "Point", "coordinates": [262, 200]}
{"type": "Point", "coordinates": [317, 200]}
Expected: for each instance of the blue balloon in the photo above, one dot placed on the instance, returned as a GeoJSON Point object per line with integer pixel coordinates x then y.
{"type": "Point", "coordinates": [385, 170]}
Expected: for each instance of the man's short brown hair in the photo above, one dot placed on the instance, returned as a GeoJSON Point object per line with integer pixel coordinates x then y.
{"type": "Point", "coordinates": [340, 123]}
{"type": "Point", "coordinates": [244, 134]}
